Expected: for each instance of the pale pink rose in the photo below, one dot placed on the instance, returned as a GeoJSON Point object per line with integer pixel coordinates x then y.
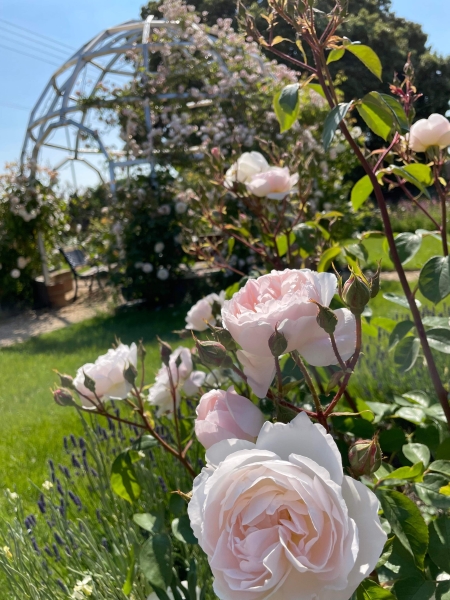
{"type": "Point", "coordinates": [282, 299]}
{"type": "Point", "coordinates": [247, 165]}
{"type": "Point", "coordinates": [278, 519]}
{"type": "Point", "coordinates": [222, 415]}
{"type": "Point", "coordinates": [434, 131]}
{"type": "Point", "coordinates": [107, 372]}
{"type": "Point", "coordinates": [201, 312]}
{"type": "Point", "coordinates": [275, 184]}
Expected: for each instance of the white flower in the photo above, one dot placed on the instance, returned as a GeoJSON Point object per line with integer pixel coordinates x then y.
{"type": "Point", "coordinates": [201, 312]}
{"type": "Point", "coordinates": [248, 165]}
{"type": "Point", "coordinates": [47, 485]}
{"type": "Point", "coordinates": [159, 247]}
{"type": "Point", "coordinates": [434, 131]}
{"type": "Point", "coordinates": [180, 208]}
{"type": "Point", "coordinates": [147, 267]}
{"type": "Point", "coordinates": [15, 273]}
{"type": "Point", "coordinates": [162, 274]}
{"type": "Point", "coordinates": [12, 495]}
{"type": "Point", "coordinates": [278, 519]}
{"type": "Point", "coordinates": [184, 379]}
{"type": "Point", "coordinates": [83, 589]}
{"type": "Point", "coordinates": [117, 228]}
{"type": "Point", "coordinates": [164, 209]}
{"type": "Point", "coordinates": [107, 372]}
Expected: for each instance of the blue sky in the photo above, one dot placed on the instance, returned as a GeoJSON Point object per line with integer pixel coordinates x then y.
{"type": "Point", "coordinates": [73, 23]}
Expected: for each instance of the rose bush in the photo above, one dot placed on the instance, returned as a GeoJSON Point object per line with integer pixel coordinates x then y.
{"type": "Point", "coordinates": [201, 314]}
{"type": "Point", "coordinates": [107, 375]}
{"type": "Point", "coordinates": [223, 415]}
{"type": "Point", "coordinates": [282, 300]}
{"type": "Point", "coordinates": [279, 519]}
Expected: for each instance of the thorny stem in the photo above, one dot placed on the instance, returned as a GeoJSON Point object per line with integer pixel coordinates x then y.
{"type": "Point", "coordinates": [442, 198]}
{"type": "Point", "coordinates": [441, 392]}
{"type": "Point", "coordinates": [309, 382]}
{"type": "Point", "coordinates": [336, 352]}
{"type": "Point", "coordinates": [349, 368]}
{"type": "Point", "coordinates": [173, 392]}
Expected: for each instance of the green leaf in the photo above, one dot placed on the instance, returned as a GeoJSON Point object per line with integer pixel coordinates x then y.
{"type": "Point", "coordinates": [385, 323]}
{"type": "Point", "coordinates": [406, 174]}
{"type": "Point", "coordinates": [416, 453]}
{"type": "Point", "coordinates": [368, 57]}
{"type": "Point", "coordinates": [413, 473]}
{"type": "Point", "coordinates": [413, 415]}
{"type": "Point", "coordinates": [124, 482]}
{"type": "Point", "coordinates": [417, 397]}
{"type": "Point", "coordinates": [407, 244]}
{"type": "Point", "coordinates": [316, 87]}
{"type": "Point", "coordinates": [434, 278]}
{"type": "Point", "coordinates": [357, 252]}
{"type": "Point", "coordinates": [406, 522]}
{"type": "Point", "coordinates": [287, 106]}
{"type": "Point", "coordinates": [128, 584]}
{"type": "Point", "coordinates": [443, 590]}
{"type": "Point", "coordinates": [306, 238]}
{"type": "Point", "coordinates": [335, 55]}
{"type": "Point", "coordinates": [387, 551]}
{"type": "Point", "coordinates": [422, 173]}
{"type": "Point", "coordinates": [406, 353]}
{"type": "Point", "coordinates": [361, 192]}
{"type": "Point", "coordinates": [414, 588]}
{"type": "Point", "coordinates": [332, 122]}
{"type": "Point", "coordinates": [156, 561]}
{"type": "Point", "coordinates": [428, 491]}
{"type": "Point", "coordinates": [400, 300]}
{"type": "Point", "coordinates": [369, 590]}
{"type": "Point", "coordinates": [441, 466]}
{"type": "Point", "coordinates": [377, 116]}
{"type": "Point", "coordinates": [149, 521]}
{"type": "Point", "coordinates": [145, 442]}
{"type": "Point", "coordinates": [439, 548]}
{"type": "Point", "coordinates": [327, 258]}
{"type": "Point", "coordinates": [443, 451]}
{"type": "Point", "coordinates": [439, 339]}
{"type": "Point", "coordinates": [397, 110]}
{"type": "Point", "coordinates": [399, 332]}
{"type": "Point", "coordinates": [436, 322]}
{"type": "Point", "coordinates": [182, 530]}
{"type": "Point", "coordinates": [284, 242]}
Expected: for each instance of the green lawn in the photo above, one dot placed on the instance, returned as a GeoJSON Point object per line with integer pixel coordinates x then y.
{"type": "Point", "coordinates": [32, 426]}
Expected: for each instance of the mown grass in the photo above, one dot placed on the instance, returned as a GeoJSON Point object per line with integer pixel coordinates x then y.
{"type": "Point", "coordinates": [32, 426]}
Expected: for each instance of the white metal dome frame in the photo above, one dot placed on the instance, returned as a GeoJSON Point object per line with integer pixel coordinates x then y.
{"type": "Point", "coordinates": [59, 105]}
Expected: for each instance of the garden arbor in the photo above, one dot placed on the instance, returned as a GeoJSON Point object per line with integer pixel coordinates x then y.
{"type": "Point", "coordinates": [64, 120]}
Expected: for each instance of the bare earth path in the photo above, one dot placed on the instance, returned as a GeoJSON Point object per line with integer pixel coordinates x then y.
{"type": "Point", "coordinates": [35, 322]}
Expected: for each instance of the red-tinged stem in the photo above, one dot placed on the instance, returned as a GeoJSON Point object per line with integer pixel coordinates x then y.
{"type": "Point", "coordinates": [336, 352]}
{"type": "Point", "coordinates": [443, 199]}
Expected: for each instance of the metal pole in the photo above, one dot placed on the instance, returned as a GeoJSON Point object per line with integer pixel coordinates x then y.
{"type": "Point", "coordinates": [43, 254]}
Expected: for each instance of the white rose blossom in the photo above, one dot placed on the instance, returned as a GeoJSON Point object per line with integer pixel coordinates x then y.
{"type": "Point", "coordinates": [107, 372]}
{"type": "Point", "coordinates": [201, 312]}
{"type": "Point", "coordinates": [434, 131]}
{"type": "Point", "coordinates": [278, 519]}
{"type": "Point", "coordinates": [247, 165]}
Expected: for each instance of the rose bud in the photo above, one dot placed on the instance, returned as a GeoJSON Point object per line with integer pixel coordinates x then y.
{"type": "Point", "coordinates": [63, 397]}
{"type": "Point", "coordinates": [224, 337]}
{"type": "Point", "coordinates": [277, 343]}
{"type": "Point", "coordinates": [224, 415]}
{"type": "Point", "coordinates": [130, 373]}
{"type": "Point", "coordinates": [356, 293]}
{"type": "Point", "coordinates": [215, 153]}
{"type": "Point", "coordinates": [213, 354]}
{"type": "Point", "coordinates": [326, 318]}
{"type": "Point", "coordinates": [365, 457]}
{"type": "Point", "coordinates": [66, 380]}
{"type": "Point", "coordinates": [165, 351]}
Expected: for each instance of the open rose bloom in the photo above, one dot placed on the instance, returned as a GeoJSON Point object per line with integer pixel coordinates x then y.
{"type": "Point", "coordinates": [201, 313]}
{"type": "Point", "coordinates": [247, 166]}
{"type": "Point", "coordinates": [107, 372]}
{"type": "Point", "coordinates": [281, 299]}
{"type": "Point", "coordinates": [278, 519]}
{"type": "Point", "coordinates": [275, 183]}
{"type": "Point", "coordinates": [434, 131]}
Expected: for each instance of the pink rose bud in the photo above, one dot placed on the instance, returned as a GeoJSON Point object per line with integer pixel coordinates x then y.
{"type": "Point", "coordinates": [365, 457]}
{"type": "Point", "coordinates": [63, 397]}
{"type": "Point", "coordinates": [215, 152]}
{"type": "Point", "coordinates": [224, 415]}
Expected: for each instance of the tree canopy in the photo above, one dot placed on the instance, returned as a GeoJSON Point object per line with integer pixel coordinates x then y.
{"type": "Point", "coordinates": [372, 22]}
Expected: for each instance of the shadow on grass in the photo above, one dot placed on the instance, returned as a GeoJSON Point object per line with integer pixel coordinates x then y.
{"type": "Point", "coordinates": [128, 325]}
